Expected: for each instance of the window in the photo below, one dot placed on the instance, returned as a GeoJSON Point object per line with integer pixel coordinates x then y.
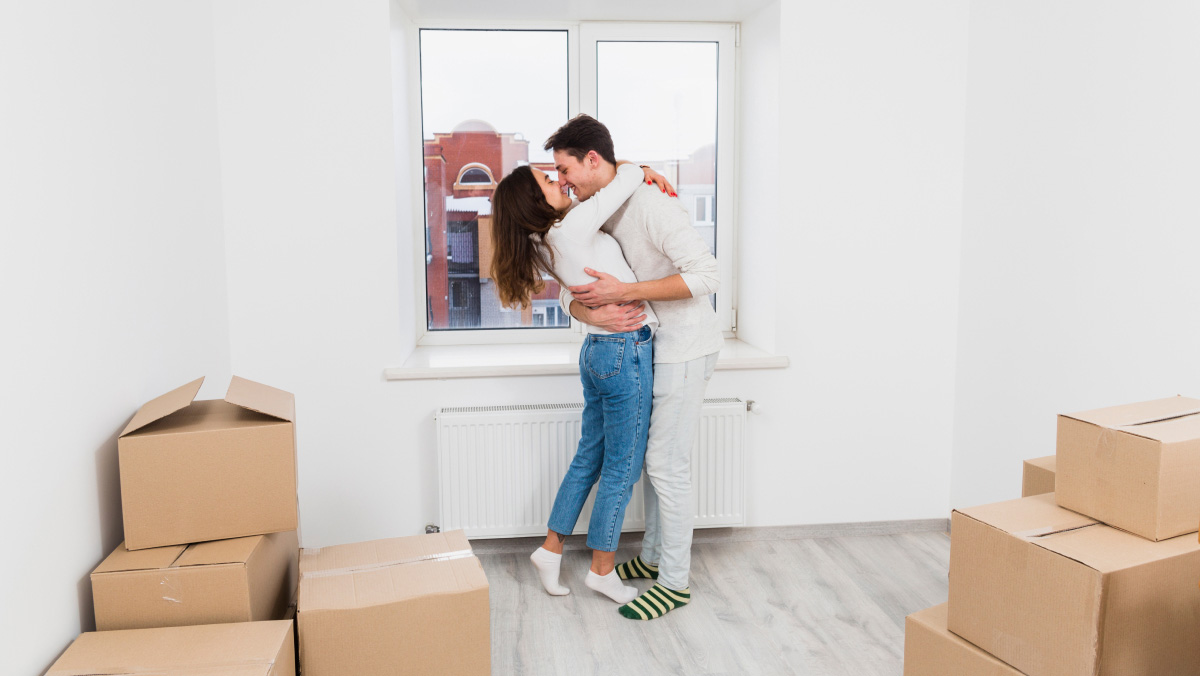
{"type": "Point", "coordinates": [680, 125]}
{"type": "Point", "coordinates": [481, 117]}
{"type": "Point", "coordinates": [489, 98]}
{"type": "Point", "coordinates": [475, 175]}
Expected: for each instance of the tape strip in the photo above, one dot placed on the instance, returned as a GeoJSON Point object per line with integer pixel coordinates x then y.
{"type": "Point", "coordinates": [164, 671]}
{"type": "Point", "coordinates": [1049, 530]}
{"type": "Point", "coordinates": [349, 570]}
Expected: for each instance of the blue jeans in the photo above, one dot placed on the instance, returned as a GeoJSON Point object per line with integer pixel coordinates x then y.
{"type": "Point", "coordinates": [617, 371]}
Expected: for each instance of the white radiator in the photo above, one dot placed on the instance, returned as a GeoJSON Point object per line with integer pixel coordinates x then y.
{"type": "Point", "coordinates": [499, 467]}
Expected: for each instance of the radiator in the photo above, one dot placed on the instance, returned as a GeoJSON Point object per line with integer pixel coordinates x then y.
{"type": "Point", "coordinates": [499, 467]}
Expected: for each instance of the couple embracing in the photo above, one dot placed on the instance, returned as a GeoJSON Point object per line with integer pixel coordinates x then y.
{"type": "Point", "coordinates": [637, 274]}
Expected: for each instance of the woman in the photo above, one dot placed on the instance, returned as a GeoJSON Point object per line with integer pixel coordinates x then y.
{"type": "Point", "coordinates": [538, 229]}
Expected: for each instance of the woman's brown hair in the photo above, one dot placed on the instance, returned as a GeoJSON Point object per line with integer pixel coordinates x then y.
{"type": "Point", "coordinates": [521, 217]}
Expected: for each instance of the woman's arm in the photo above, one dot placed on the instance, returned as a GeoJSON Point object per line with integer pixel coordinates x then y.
{"type": "Point", "coordinates": [587, 218]}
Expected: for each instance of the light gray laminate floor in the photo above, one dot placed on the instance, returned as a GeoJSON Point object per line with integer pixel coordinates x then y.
{"type": "Point", "coordinates": [815, 606]}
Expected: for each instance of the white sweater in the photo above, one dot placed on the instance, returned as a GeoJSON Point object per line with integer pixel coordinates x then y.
{"type": "Point", "coordinates": [578, 242]}
{"type": "Point", "coordinates": [658, 240]}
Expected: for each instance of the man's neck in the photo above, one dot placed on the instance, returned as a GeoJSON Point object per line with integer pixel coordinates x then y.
{"type": "Point", "coordinates": [607, 173]}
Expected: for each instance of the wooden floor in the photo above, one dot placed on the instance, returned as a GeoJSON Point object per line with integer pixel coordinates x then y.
{"type": "Point", "coordinates": [813, 606]}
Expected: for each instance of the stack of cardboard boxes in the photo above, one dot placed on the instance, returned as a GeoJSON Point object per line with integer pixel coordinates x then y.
{"type": "Point", "coordinates": [209, 576]}
{"type": "Point", "coordinates": [209, 565]}
{"type": "Point", "coordinates": [1097, 577]}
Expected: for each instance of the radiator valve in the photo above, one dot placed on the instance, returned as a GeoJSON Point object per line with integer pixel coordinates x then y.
{"type": "Point", "coordinates": [432, 528]}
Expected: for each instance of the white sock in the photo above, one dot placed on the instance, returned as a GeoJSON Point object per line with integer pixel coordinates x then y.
{"type": "Point", "coordinates": [610, 585]}
{"type": "Point", "coordinates": [547, 564]}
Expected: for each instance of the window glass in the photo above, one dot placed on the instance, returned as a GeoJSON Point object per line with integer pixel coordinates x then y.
{"type": "Point", "coordinates": [489, 99]}
{"type": "Point", "coordinates": [659, 101]}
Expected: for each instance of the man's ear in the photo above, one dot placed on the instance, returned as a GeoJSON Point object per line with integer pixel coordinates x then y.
{"type": "Point", "coordinates": [593, 158]}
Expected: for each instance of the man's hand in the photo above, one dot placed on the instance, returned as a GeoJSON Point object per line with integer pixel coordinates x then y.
{"type": "Point", "coordinates": [612, 318]}
{"type": "Point", "coordinates": [604, 291]}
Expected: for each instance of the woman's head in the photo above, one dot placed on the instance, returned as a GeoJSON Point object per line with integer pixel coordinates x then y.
{"type": "Point", "coordinates": [525, 206]}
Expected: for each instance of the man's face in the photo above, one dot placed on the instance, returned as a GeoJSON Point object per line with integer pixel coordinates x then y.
{"type": "Point", "coordinates": [582, 177]}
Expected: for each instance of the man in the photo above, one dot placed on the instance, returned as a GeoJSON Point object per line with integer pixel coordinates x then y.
{"type": "Point", "coordinates": [677, 273]}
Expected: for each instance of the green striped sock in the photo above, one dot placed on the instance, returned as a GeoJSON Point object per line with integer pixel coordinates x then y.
{"type": "Point", "coordinates": [655, 602]}
{"type": "Point", "coordinates": [637, 568]}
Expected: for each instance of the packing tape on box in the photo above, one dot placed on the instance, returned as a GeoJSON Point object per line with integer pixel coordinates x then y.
{"type": "Point", "coordinates": [350, 570]}
{"type": "Point", "coordinates": [164, 671]}
{"type": "Point", "coordinates": [1035, 533]}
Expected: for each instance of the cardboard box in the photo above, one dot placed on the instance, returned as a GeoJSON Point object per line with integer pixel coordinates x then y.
{"type": "Point", "coordinates": [209, 470]}
{"type": "Point", "coordinates": [1136, 467]}
{"type": "Point", "coordinates": [290, 616]}
{"type": "Point", "coordinates": [240, 649]}
{"type": "Point", "coordinates": [238, 580]}
{"type": "Point", "coordinates": [420, 602]}
{"type": "Point", "coordinates": [931, 650]}
{"type": "Point", "coordinates": [1055, 593]}
{"type": "Point", "coordinates": [1037, 476]}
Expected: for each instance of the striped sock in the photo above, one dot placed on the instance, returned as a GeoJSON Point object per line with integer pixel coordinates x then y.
{"type": "Point", "coordinates": [655, 602]}
{"type": "Point", "coordinates": [637, 568]}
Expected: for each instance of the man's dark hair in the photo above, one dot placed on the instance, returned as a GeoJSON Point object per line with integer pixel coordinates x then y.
{"type": "Point", "coordinates": [582, 134]}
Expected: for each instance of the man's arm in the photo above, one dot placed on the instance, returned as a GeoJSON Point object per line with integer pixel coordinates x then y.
{"type": "Point", "coordinates": [608, 289]}
{"type": "Point", "coordinates": [612, 318]}
{"type": "Point", "coordinates": [679, 241]}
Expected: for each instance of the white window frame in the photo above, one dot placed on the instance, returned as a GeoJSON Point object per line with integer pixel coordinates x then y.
{"type": "Point", "coordinates": [581, 97]}
{"type": "Point", "coordinates": [725, 35]}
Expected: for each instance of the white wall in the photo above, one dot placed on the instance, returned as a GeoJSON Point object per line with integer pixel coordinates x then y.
{"type": "Point", "coordinates": [320, 302]}
{"type": "Point", "coordinates": [111, 264]}
{"type": "Point", "coordinates": [872, 100]}
{"type": "Point", "coordinates": [759, 200]}
{"type": "Point", "coordinates": [309, 182]}
{"type": "Point", "coordinates": [1081, 225]}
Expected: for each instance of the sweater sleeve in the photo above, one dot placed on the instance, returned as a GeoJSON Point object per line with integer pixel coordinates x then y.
{"type": "Point", "coordinates": [565, 298]}
{"type": "Point", "coordinates": [586, 218]}
{"type": "Point", "coordinates": [689, 253]}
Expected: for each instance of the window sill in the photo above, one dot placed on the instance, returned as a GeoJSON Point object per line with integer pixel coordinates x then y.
{"type": "Point", "coordinates": [436, 362]}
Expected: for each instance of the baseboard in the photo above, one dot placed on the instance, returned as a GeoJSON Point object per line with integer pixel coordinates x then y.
{"type": "Point", "coordinates": [738, 534]}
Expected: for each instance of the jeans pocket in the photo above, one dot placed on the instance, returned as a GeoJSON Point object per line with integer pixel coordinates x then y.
{"type": "Point", "coordinates": [604, 356]}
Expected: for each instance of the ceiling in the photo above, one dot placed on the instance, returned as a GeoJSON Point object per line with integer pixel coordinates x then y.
{"type": "Point", "coordinates": [581, 10]}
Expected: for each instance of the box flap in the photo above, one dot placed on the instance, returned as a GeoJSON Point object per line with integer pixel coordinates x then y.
{"type": "Point", "coordinates": [384, 571]}
{"type": "Point", "coordinates": [161, 407]}
{"type": "Point", "coordinates": [391, 584]}
{"type": "Point", "coordinates": [1183, 427]}
{"type": "Point", "coordinates": [1108, 549]}
{"type": "Point", "coordinates": [1139, 413]}
{"type": "Point", "coordinates": [381, 553]}
{"type": "Point", "coordinates": [241, 648]}
{"type": "Point", "coordinates": [1031, 517]}
{"type": "Point", "coordinates": [236, 550]}
{"type": "Point", "coordinates": [122, 560]}
{"type": "Point", "coordinates": [261, 398]}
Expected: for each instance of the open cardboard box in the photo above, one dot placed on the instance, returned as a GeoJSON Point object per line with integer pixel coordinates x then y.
{"type": "Point", "coordinates": [193, 471]}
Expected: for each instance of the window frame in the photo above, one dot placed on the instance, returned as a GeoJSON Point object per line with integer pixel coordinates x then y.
{"type": "Point", "coordinates": [581, 97]}
{"type": "Point", "coordinates": [725, 35]}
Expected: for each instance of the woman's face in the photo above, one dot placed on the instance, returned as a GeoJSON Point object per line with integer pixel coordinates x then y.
{"type": "Point", "coordinates": [551, 189]}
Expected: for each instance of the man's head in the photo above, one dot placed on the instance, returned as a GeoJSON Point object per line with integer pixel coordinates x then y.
{"type": "Point", "coordinates": [583, 155]}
